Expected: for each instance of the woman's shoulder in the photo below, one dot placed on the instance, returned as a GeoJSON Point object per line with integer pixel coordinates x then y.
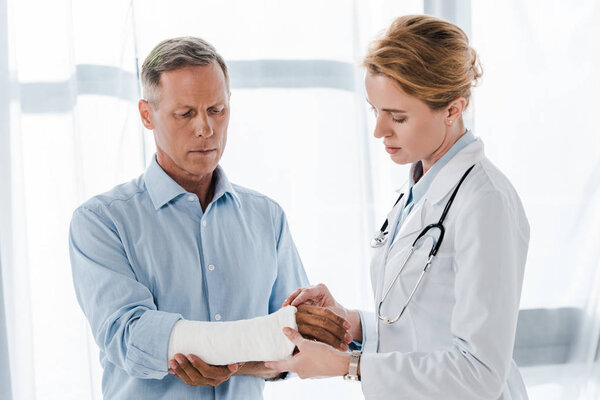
{"type": "Point", "coordinates": [489, 179]}
{"type": "Point", "coordinates": [491, 190]}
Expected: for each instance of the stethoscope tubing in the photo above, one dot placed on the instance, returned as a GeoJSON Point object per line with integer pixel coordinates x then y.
{"type": "Point", "coordinates": [381, 238]}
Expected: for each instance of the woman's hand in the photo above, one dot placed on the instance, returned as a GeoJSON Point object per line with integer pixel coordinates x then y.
{"type": "Point", "coordinates": [317, 295]}
{"type": "Point", "coordinates": [313, 360]}
{"type": "Point", "coordinates": [320, 296]}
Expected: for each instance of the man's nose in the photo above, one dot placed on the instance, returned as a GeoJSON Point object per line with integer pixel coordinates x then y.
{"type": "Point", "coordinates": [203, 126]}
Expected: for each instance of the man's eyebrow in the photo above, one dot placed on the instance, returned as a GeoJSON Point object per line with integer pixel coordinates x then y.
{"type": "Point", "coordinates": [393, 110]}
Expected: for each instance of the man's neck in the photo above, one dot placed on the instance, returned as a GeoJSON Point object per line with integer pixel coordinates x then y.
{"type": "Point", "coordinates": [203, 187]}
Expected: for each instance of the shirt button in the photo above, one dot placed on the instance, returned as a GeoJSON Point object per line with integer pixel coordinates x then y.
{"type": "Point", "coordinates": [211, 267]}
{"type": "Point", "coordinates": [218, 317]}
{"type": "Point", "coordinates": [191, 197]}
{"type": "Point", "coordinates": [204, 224]}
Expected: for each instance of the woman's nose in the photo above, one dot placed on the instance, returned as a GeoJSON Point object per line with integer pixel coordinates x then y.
{"type": "Point", "coordinates": [381, 128]}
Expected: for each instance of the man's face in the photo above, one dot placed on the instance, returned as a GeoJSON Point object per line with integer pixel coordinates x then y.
{"type": "Point", "coordinates": [189, 118]}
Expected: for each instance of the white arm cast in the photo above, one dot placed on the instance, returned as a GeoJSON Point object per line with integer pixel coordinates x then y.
{"type": "Point", "coordinates": [221, 343]}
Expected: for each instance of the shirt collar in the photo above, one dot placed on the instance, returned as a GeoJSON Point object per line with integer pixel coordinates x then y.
{"type": "Point", "coordinates": [162, 188]}
{"type": "Point", "coordinates": [421, 187]}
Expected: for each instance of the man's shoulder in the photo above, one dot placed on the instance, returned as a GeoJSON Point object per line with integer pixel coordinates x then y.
{"type": "Point", "coordinates": [121, 194]}
{"type": "Point", "coordinates": [248, 195]}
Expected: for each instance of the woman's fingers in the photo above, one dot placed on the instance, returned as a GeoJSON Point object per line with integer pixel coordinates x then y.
{"type": "Point", "coordinates": [291, 297]}
{"type": "Point", "coordinates": [294, 336]}
{"type": "Point", "coordinates": [310, 294]}
{"type": "Point", "coordinates": [279, 366]}
{"type": "Point", "coordinates": [287, 365]}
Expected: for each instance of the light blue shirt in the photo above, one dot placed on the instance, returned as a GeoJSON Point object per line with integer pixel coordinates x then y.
{"type": "Point", "coordinates": [144, 255]}
{"type": "Point", "coordinates": [419, 183]}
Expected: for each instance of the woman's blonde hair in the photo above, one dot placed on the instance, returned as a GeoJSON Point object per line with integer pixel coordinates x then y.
{"type": "Point", "coordinates": [429, 59]}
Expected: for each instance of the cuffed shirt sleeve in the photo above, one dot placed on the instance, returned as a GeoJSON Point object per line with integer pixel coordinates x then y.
{"type": "Point", "coordinates": [124, 319]}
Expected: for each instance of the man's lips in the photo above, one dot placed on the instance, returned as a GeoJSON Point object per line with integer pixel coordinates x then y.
{"type": "Point", "coordinates": [202, 151]}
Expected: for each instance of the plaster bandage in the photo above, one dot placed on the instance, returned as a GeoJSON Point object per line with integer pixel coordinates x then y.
{"type": "Point", "coordinates": [221, 343]}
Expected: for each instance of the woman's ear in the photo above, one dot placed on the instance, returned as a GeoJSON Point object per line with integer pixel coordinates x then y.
{"type": "Point", "coordinates": [455, 109]}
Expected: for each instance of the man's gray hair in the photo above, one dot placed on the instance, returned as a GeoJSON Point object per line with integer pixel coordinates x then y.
{"type": "Point", "coordinates": [172, 54]}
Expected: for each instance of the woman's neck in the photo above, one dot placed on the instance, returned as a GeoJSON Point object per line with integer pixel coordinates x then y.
{"type": "Point", "coordinates": [453, 133]}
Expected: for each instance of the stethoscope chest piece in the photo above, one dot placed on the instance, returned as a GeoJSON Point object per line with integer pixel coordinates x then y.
{"type": "Point", "coordinates": [379, 240]}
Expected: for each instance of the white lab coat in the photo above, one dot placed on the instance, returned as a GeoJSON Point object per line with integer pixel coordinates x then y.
{"type": "Point", "coordinates": [455, 340]}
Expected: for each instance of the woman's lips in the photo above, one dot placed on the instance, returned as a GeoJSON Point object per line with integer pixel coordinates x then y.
{"type": "Point", "coordinates": [392, 150]}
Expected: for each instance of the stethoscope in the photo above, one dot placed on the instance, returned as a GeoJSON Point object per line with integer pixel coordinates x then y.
{"type": "Point", "coordinates": [380, 239]}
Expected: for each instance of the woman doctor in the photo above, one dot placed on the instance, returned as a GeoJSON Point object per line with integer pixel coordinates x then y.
{"type": "Point", "coordinates": [446, 333]}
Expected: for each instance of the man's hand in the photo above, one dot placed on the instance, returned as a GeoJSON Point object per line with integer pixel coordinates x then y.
{"type": "Point", "coordinates": [320, 296]}
{"type": "Point", "coordinates": [195, 372]}
{"type": "Point", "coordinates": [323, 325]}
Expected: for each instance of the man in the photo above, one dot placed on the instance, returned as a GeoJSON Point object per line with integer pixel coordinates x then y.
{"type": "Point", "coordinates": [182, 243]}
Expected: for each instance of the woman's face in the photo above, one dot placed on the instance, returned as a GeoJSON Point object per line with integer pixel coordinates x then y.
{"type": "Point", "coordinates": [410, 130]}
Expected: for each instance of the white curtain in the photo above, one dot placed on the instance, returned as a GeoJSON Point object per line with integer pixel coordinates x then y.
{"type": "Point", "coordinates": [299, 133]}
{"type": "Point", "coordinates": [536, 110]}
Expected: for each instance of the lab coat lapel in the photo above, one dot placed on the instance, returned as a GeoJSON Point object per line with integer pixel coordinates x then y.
{"type": "Point", "coordinates": [413, 222]}
{"type": "Point", "coordinates": [448, 177]}
{"type": "Point", "coordinates": [443, 183]}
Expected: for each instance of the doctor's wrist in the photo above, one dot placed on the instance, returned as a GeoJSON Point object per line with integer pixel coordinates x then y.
{"type": "Point", "coordinates": [342, 364]}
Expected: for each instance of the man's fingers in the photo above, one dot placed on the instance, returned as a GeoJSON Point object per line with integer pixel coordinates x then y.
{"type": "Point", "coordinates": [179, 372]}
{"type": "Point", "coordinates": [324, 319]}
{"type": "Point", "coordinates": [189, 369]}
{"type": "Point", "coordinates": [210, 371]}
{"type": "Point", "coordinates": [322, 335]}
{"type": "Point", "coordinates": [233, 368]}
{"type": "Point", "coordinates": [327, 313]}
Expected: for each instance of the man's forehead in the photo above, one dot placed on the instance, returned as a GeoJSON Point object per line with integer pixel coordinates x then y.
{"type": "Point", "coordinates": [190, 85]}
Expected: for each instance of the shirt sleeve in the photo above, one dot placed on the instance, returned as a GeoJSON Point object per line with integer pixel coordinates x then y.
{"type": "Point", "coordinates": [369, 332]}
{"type": "Point", "coordinates": [489, 265]}
{"type": "Point", "coordinates": [125, 322]}
{"type": "Point", "coordinates": [290, 272]}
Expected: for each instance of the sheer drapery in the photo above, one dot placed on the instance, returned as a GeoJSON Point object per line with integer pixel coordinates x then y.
{"type": "Point", "coordinates": [536, 111]}
{"type": "Point", "coordinates": [300, 133]}
{"type": "Point", "coordinates": [297, 133]}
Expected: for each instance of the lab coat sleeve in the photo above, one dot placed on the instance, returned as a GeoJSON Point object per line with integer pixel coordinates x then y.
{"type": "Point", "coordinates": [124, 320]}
{"type": "Point", "coordinates": [489, 262]}
{"type": "Point", "coordinates": [290, 272]}
{"type": "Point", "coordinates": [369, 331]}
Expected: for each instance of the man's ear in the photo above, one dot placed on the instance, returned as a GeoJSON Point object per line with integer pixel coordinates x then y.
{"type": "Point", "coordinates": [145, 109]}
{"type": "Point", "coordinates": [455, 109]}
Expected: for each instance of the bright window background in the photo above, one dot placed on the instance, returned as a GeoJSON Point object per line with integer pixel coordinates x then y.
{"type": "Point", "coordinates": [71, 130]}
